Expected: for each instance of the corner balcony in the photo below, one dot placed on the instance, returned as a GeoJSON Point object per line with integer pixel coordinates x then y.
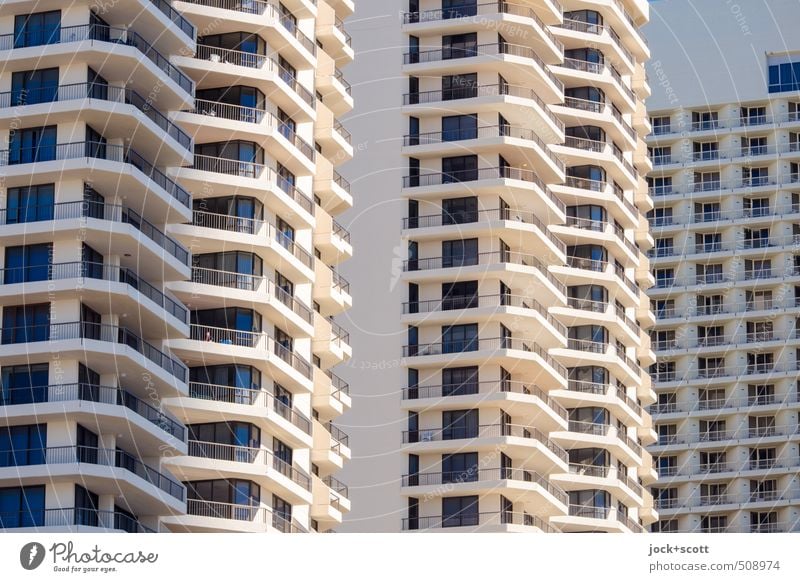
{"type": "Point", "coordinates": [249, 291]}
{"type": "Point", "coordinates": [596, 519]}
{"type": "Point", "coordinates": [517, 103]}
{"type": "Point", "coordinates": [254, 16]}
{"type": "Point", "coordinates": [578, 34]}
{"type": "Point", "coordinates": [514, 20]}
{"type": "Point", "coordinates": [331, 342]}
{"type": "Point", "coordinates": [331, 447]}
{"type": "Point", "coordinates": [528, 227]}
{"type": "Point", "coordinates": [516, 398]}
{"type": "Point", "coordinates": [518, 484]}
{"type": "Point", "coordinates": [217, 517]}
{"type": "Point", "coordinates": [712, 127]}
{"type": "Point", "coordinates": [338, 42]}
{"type": "Point", "coordinates": [105, 49]}
{"type": "Point", "coordinates": [336, 141]}
{"type": "Point", "coordinates": [517, 64]}
{"type": "Point", "coordinates": [542, 454]}
{"type": "Point", "coordinates": [577, 191]}
{"type": "Point", "coordinates": [331, 396]}
{"type": "Point", "coordinates": [578, 151]}
{"type": "Point", "coordinates": [579, 231]}
{"type": "Point", "coordinates": [70, 520]}
{"type": "Point", "coordinates": [587, 312]}
{"type": "Point", "coordinates": [114, 409]}
{"type": "Point", "coordinates": [331, 239]}
{"type": "Point", "coordinates": [582, 434]}
{"type": "Point", "coordinates": [584, 352]}
{"type": "Point", "coordinates": [120, 111]}
{"type": "Point", "coordinates": [216, 345]}
{"type": "Point", "coordinates": [582, 270]}
{"type": "Point", "coordinates": [521, 355]}
{"type": "Point", "coordinates": [523, 315]}
{"type": "Point", "coordinates": [579, 72]}
{"type": "Point", "coordinates": [517, 144]}
{"type": "Point", "coordinates": [111, 349]}
{"type": "Point", "coordinates": [206, 460]}
{"type": "Point", "coordinates": [109, 228]}
{"type": "Point", "coordinates": [330, 502]}
{"type": "Point", "coordinates": [103, 471]}
{"type": "Point", "coordinates": [213, 121]}
{"type": "Point", "coordinates": [331, 290]}
{"type": "Point", "coordinates": [600, 113]}
{"type": "Point", "coordinates": [110, 168]}
{"type": "Point", "coordinates": [210, 402]}
{"type": "Point", "coordinates": [217, 176]}
{"type": "Point", "coordinates": [583, 476]}
{"type": "Point", "coordinates": [485, 522]}
{"type": "Point", "coordinates": [710, 189]}
{"type": "Point", "coordinates": [582, 393]}
{"type": "Point", "coordinates": [336, 91]}
{"type": "Point", "coordinates": [99, 284]}
{"type": "Point", "coordinates": [761, 402]}
{"type": "Point", "coordinates": [220, 67]}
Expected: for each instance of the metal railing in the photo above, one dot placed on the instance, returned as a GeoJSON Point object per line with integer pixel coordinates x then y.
{"type": "Point", "coordinates": [337, 434]}
{"type": "Point", "coordinates": [97, 332]}
{"type": "Point", "coordinates": [219, 510]}
{"type": "Point", "coordinates": [475, 519]}
{"type": "Point", "coordinates": [255, 61]}
{"type": "Point", "coordinates": [598, 29]}
{"type": "Point", "coordinates": [102, 92]}
{"type": "Point", "coordinates": [93, 393]}
{"type": "Point", "coordinates": [250, 397]}
{"type": "Point", "coordinates": [600, 107]}
{"type": "Point", "coordinates": [99, 271]}
{"type": "Point", "coordinates": [339, 282]}
{"type": "Point", "coordinates": [71, 516]}
{"type": "Point", "coordinates": [96, 33]}
{"type": "Point", "coordinates": [742, 121]}
{"type": "Point", "coordinates": [95, 456]}
{"type": "Point", "coordinates": [166, 8]}
{"type": "Point", "coordinates": [95, 150]}
{"type": "Point", "coordinates": [336, 485]}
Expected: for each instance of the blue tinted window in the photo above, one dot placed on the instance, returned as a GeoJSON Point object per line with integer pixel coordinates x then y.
{"type": "Point", "coordinates": [784, 77]}
{"type": "Point", "coordinates": [22, 506]}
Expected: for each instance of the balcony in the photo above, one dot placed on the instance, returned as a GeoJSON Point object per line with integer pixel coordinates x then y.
{"type": "Point", "coordinates": [115, 458]}
{"type": "Point", "coordinates": [601, 30]}
{"type": "Point", "coordinates": [86, 270]}
{"type": "Point", "coordinates": [73, 519]}
{"type": "Point", "coordinates": [258, 399]}
{"type": "Point", "coordinates": [731, 123]}
{"type": "Point", "coordinates": [602, 69]}
{"type": "Point", "coordinates": [486, 521]}
{"type": "Point", "coordinates": [43, 154]}
{"type": "Point", "coordinates": [28, 98]}
{"type": "Point", "coordinates": [616, 123]}
{"type": "Point", "coordinates": [98, 33]}
{"type": "Point", "coordinates": [86, 332]}
{"type": "Point", "coordinates": [91, 393]}
{"type": "Point", "coordinates": [221, 517]}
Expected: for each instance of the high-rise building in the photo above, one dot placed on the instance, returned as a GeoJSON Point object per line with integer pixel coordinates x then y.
{"type": "Point", "coordinates": [726, 184]}
{"type": "Point", "coordinates": [170, 246]}
{"type": "Point", "coordinates": [521, 336]}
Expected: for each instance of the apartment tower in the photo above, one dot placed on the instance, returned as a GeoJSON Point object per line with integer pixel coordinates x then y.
{"type": "Point", "coordinates": [725, 147]}
{"type": "Point", "coordinates": [169, 280]}
{"type": "Point", "coordinates": [524, 283]}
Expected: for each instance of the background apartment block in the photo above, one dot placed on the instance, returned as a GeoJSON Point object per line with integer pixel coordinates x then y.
{"type": "Point", "coordinates": [169, 280]}
{"type": "Point", "coordinates": [726, 184]}
{"type": "Point", "coordinates": [522, 201]}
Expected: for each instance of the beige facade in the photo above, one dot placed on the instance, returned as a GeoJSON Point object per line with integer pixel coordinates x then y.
{"type": "Point", "coordinates": [524, 284]}
{"type": "Point", "coordinates": [170, 247]}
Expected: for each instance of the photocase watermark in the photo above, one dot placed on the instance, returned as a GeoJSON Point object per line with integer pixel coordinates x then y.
{"type": "Point", "coordinates": [67, 558]}
{"type": "Point", "coordinates": [31, 555]}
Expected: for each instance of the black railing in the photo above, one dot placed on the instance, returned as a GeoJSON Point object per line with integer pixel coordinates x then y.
{"type": "Point", "coordinates": [338, 434]}
{"type": "Point", "coordinates": [71, 516]}
{"type": "Point", "coordinates": [175, 16]}
{"type": "Point", "coordinates": [93, 393]}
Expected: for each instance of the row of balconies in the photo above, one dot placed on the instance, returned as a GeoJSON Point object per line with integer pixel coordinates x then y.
{"type": "Point", "coordinates": [736, 184]}
{"type": "Point", "coordinates": [775, 244]}
{"type": "Point", "coordinates": [728, 343]}
{"type": "Point", "coordinates": [715, 500]}
{"type": "Point", "coordinates": [725, 403]}
{"type": "Point", "coordinates": [726, 372]}
{"type": "Point", "coordinates": [673, 131]}
{"type": "Point", "coordinates": [748, 152]}
{"type": "Point", "coordinates": [739, 434]}
{"type": "Point", "coordinates": [764, 274]}
{"type": "Point", "coordinates": [729, 218]}
{"type": "Point", "coordinates": [719, 468]}
{"type": "Point", "coordinates": [771, 307]}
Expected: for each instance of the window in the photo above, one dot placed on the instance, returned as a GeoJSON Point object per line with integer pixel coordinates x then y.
{"type": "Point", "coordinates": [753, 115]}
{"type": "Point", "coordinates": [30, 87]}
{"type": "Point", "coordinates": [667, 466]}
{"type": "Point", "coordinates": [281, 514]}
{"type": "Point", "coordinates": [704, 151]}
{"type": "Point", "coordinates": [667, 433]}
{"type": "Point", "coordinates": [234, 434]}
{"type": "Point", "coordinates": [762, 458]}
{"type": "Point", "coordinates": [709, 274]}
{"type": "Point", "coordinates": [459, 468]}
{"type": "Point", "coordinates": [26, 323]}
{"type": "Point", "coordinates": [459, 46]}
{"type": "Point", "coordinates": [86, 506]}
{"type": "Point", "coordinates": [22, 506]}
{"type": "Point", "coordinates": [460, 381]}
{"type": "Point", "coordinates": [459, 424]}
{"type": "Point", "coordinates": [784, 77]}
{"type": "Point", "coordinates": [460, 511]}
{"type": "Point", "coordinates": [222, 158]}
{"type": "Point", "coordinates": [36, 144]}
{"type": "Point", "coordinates": [459, 169]}
{"type": "Point", "coordinates": [661, 125]}
{"type": "Point", "coordinates": [459, 127]}
{"type": "Point", "coordinates": [223, 498]}
{"type": "Point", "coordinates": [37, 29]}
{"type": "Point", "coordinates": [459, 86]}
{"type": "Point", "coordinates": [462, 295]}
{"type": "Point", "coordinates": [459, 210]}
{"type": "Point", "coordinates": [713, 523]}
{"type": "Point", "coordinates": [27, 263]}
{"type": "Point", "coordinates": [460, 338]}
{"type": "Point", "coordinates": [459, 253]}
{"type": "Point", "coordinates": [23, 445]}
{"type": "Point", "coordinates": [459, 8]}
{"type": "Point", "coordinates": [665, 526]}
{"type": "Point", "coordinates": [24, 384]}
{"type": "Point", "coordinates": [704, 120]}
{"type": "Point", "coordinates": [30, 204]}
{"type": "Point", "coordinates": [755, 176]}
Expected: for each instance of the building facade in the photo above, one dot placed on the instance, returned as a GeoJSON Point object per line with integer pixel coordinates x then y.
{"type": "Point", "coordinates": [169, 283]}
{"type": "Point", "coordinates": [726, 224]}
{"type": "Point", "coordinates": [524, 283]}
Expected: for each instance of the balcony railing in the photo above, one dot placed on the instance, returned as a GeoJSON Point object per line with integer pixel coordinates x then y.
{"type": "Point", "coordinates": [492, 49]}
{"type": "Point", "coordinates": [475, 91]}
{"type": "Point", "coordinates": [483, 9]}
{"type": "Point", "coordinates": [488, 258]}
{"type": "Point", "coordinates": [175, 16]}
{"type": "Point", "coordinates": [484, 388]}
{"type": "Point", "coordinates": [94, 456]}
{"type": "Point", "coordinates": [102, 92]}
{"type": "Point", "coordinates": [93, 393]}
{"type": "Point", "coordinates": [254, 170]}
{"type": "Point", "coordinates": [255, 61]}
{"type": "Point", "coordinates": [94, 150]}
{"type": "Point", "coordinates": [457, 177]}
{"type": "Point", "coordinates": [600, 107]}
{"type": "Point", "coordinates": [96, 33]}
{"type": "Point", "coordinates": [477, 474]}
{"type": "Point", "coordinates": [85, 269]}
{"type": "Point", "coordinates": [251, 339]}
{"type": "Point", "coordinates": [598, 29]}
{"type": "Point", "coordinates": [249, 455]}
{"type": "Point", "coordinates": [71, 517]}
{"type": "Point", "coordinates": [97, 332]}
{"type": "Point", "coordinates": [250, 397]}
{"type": "Point", "coordinates": [734, 122]}
{"type": "Point", "coordinates": [458, 432]}
{"type": "Point", "coordinates": [339, 282]}
{"type": "Point", "coordinates": [484, 519]}
{"type": "Point", "coordinates": [589, 511]}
